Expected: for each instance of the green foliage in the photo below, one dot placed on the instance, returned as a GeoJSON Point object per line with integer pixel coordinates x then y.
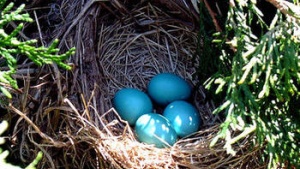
{"type": "Point", "coordinates": [4, 154]}
{"type": "Point", "coordinates": [11, 47]}
{"type": "Point", "coordinates": [262, 87]}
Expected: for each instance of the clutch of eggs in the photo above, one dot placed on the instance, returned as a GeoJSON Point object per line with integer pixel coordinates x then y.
{"type": "Point", "coordinates": [179, 118]}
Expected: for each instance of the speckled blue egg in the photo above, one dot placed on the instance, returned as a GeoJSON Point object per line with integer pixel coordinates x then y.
{"type": "Point", "coordinates": [184, 117]}
{"type": "Point", "coordinates": [131, 103]}
{"type": "Point", "coordinates": [155, 129]}
{"type": "Point", "coordinates": [165, 88]}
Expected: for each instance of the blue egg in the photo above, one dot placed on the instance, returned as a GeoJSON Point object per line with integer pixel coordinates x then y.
{"type": "Point", "coordinates": [155, 129]}
{"type": "Point", "coordinates": [165, 88]}
{"type": "Point", "coordinates": [184, 117]}
{"type": "Point", "coordinates": [131, 104]}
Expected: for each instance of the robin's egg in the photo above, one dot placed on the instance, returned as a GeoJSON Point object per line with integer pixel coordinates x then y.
{"type": "Point", "coordinates": [131, 104]}
{"type": "Point", "coordinates": [165, 88]}
{"type": "Point", "coordinates": [184, 117]}
{"type": "Point", "coordinates": [155, 129]}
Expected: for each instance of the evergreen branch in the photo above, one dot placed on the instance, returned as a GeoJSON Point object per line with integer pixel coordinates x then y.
{"type": "Point", "coordinates": [10, 47]}
{"type": "Point", "coordinates": [262, 85]}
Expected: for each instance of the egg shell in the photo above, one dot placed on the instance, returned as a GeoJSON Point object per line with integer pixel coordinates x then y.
{"type": "Point", "coordinates": [165, 88]}
{"type": "Point", "coordinates": [131, 103]}
{"type": "Point", "coordinates": [184, 117]}
{"type": "Point", "coordinates": [155, 129]}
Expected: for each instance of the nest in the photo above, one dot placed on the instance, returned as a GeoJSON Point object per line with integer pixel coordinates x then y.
{"type": "Point", "coordinates": [69, 115]}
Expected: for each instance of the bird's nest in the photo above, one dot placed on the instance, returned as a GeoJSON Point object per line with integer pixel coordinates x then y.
{"type": "Point", "coordinates": [69, 115]}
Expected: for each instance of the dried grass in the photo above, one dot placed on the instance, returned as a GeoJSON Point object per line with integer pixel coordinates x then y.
{"type": "Point", "coordinates": [68, 114]}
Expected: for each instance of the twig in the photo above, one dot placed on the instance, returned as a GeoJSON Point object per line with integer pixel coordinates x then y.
{"type": "Point", "coordinates": [286, 8]}
{"type": "Point", "coordinates": [213, 16]}
{"type": "Point", "coordinates": [39, 28]}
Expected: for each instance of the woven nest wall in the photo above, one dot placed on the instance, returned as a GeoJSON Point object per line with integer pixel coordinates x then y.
{"type": "Point", "coordinates": [69, 115]}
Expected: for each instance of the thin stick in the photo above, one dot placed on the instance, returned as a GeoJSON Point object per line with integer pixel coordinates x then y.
{"type": "Point", "coordinates": [286, 8]}
{"type": "Point", "coordinates": [39, 28]}
{"type": "Point", "coordinates": [213, 16]}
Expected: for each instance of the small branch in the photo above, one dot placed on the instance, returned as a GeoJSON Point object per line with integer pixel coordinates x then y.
{"type": "Point", "coordinates": [213, 16]}
{"type": "Point", "coordinates": [39, 28]}
{"type": "Point", "coordinates": [286, 8]}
